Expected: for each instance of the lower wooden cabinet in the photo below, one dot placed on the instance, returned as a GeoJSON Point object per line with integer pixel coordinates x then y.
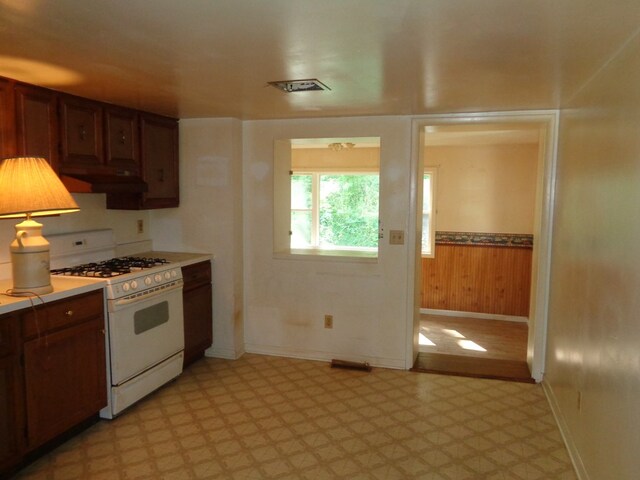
{"type": "Point", "coordinates": [11, 388]}
{"type": "Point", "coordinates": [198, 310]}
{"type": "Point", "coordinates": [64, 380]}
{"type": "Point", "coordinates": [52, 373]}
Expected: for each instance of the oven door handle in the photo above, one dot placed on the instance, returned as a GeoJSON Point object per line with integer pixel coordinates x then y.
{"type": "Point", "coordinates": [121, 302]}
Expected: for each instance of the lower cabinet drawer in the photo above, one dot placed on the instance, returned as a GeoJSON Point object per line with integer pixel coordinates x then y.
{"type": "Point", "coordinates": [61, 314]}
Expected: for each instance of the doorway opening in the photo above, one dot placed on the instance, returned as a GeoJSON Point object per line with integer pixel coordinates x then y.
{"type": "Point", "coordinates": [480, 276]}
{"type": "Point", "coordinates": [470, 347]}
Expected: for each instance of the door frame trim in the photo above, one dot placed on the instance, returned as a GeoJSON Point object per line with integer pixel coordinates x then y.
{"type": "Point", "coordinates": [548, 121]}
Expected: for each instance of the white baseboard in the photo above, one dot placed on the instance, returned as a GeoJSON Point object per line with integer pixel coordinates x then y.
{"type": "Point", "coordinates": [574, 455]}
{"type": "Point", "coordinates": [481, 316]}
{"type": "Point", "coordinates": [394, 363]}
{"type": "Point", "coordinates": [226, 353]}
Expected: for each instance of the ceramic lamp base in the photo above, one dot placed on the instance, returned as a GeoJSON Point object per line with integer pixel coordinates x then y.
{"type": "Point", "coordinates": [30, 260]}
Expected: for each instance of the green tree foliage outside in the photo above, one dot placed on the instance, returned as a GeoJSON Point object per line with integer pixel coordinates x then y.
{"type": "Point", "coordinates": [349, 210]}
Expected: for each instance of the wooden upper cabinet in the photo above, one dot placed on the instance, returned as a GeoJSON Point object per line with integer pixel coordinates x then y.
{"type": "Point", "coordinates": [90, 144]}
{"type": "Point", "coordinates": [37, 123]}
{"type": "Point", "coordinates": [81, 131]}
{"type": "Point", "coordinates": [7, 125]}
{"type": "Point", "coordinates": [122, 140]}
{"type": "Point", "coordinates": [159, 155]}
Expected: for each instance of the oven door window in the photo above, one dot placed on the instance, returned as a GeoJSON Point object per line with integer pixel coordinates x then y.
{"type": "Point", "coordinates": [150, 317]}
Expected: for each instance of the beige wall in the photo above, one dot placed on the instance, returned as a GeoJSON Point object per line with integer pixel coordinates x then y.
{"type": "Point", "coordinates": [593, 353]}
{"type": "Point", "coordinates": [286, 297]}
{"type": "Point", "coordinates": [210, 219]}
{"type": "Point", "coordinates": [485, 188]}
{"type": "Point", "coordinates": [357, 159]}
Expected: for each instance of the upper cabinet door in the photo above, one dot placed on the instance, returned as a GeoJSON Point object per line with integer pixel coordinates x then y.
{"type": "Point", "coordinates": [7, 130]}
{"type": "Point", "coordinates": [81, 130]}
{"type": "Point", "coordinates": [37, 123]}
{"type": "Point", "coordinates": [122, 140]}
{"type": "Point", "coordinates": [160, 161]}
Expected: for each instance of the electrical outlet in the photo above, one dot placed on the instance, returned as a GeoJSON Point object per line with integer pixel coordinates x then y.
{"type": "Point", "coordinates": [140, 226]}
{"type": "Point", "coordinates": [396, 237]}
{"type": "Point", "coordinates": [328, 321]}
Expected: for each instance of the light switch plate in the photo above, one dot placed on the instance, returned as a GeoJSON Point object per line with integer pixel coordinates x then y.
{"type": "Point", "coordinates": [396, 237]}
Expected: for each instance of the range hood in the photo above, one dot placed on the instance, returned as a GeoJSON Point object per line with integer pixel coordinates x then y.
{"type": "Point", "coordinates": [103, 183]}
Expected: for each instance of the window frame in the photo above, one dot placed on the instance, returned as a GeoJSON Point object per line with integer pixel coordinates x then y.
{"type": "Point", "coordinates": [315, 211]}
{"type": "Point", "coordinates": [283, 164]}
{"type": "Point", "coordinates": [433, 174]}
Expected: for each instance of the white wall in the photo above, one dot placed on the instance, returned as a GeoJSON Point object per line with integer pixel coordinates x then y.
{"type": "Point", "coordinates": [593, 352]}
{"type": "Point", "coordinates": [286, 298]}
{"type": "Point", "coordinates": [210, 219]}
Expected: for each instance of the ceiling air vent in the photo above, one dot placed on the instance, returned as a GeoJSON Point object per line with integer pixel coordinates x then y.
{"type": "Point", "coordinates": [291, 86]}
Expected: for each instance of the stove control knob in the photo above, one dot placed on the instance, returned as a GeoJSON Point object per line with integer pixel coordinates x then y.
{"type": "Point", "coordinates": [158, 278]}
{"type": "Point", "coordinates": [125, 286]}
{"type": "Point", "coordinates": [174, 274]}
{"type": "Point", "coordinates": [134, 284]}
{"type": "Point", "coordinates": [147, 281]}
{"type": "Point", "coordinates": [167, 275]}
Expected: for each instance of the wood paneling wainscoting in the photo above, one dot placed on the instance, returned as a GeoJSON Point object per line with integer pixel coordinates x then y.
{"type": "Point", "coordinates": [478, 278]}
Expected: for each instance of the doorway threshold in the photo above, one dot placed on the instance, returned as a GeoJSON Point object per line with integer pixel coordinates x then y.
{"type": "Point", "coordinates": [465, 366]}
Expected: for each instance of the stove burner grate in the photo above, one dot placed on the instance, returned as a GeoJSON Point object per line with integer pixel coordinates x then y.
{"type": "Point", "coordinates": [111, 268]}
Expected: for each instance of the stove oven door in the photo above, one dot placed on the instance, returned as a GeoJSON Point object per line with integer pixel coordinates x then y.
{"type": "Point", "coordinates": [144, 333]}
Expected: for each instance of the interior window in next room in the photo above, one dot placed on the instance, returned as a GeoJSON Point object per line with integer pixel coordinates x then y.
{"type": "Point", "coordinates": [428, 212]}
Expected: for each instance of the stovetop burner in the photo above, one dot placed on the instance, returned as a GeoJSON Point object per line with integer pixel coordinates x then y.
{"type": "Point", "coordinates": [111, 268]}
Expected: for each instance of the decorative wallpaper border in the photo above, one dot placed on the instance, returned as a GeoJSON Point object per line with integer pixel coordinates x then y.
{"type": "Point", "coordinates": [485, 239]}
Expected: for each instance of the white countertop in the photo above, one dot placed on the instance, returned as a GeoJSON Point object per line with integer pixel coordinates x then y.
{"type": "Point", "coordinates": [63, 287]}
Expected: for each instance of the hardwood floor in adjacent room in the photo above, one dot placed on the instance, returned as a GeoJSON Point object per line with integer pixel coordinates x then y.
{"type": "Point", "coordinates": [473, 347]}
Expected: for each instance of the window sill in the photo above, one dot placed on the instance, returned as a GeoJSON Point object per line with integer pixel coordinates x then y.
{"type": "Point", "coordinates": [333, 255]}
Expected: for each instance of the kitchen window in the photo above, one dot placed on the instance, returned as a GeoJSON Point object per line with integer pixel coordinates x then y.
{"type": "Point", "coordinates": [331, 187]}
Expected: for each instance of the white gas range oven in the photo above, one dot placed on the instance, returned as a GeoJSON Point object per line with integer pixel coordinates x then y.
{"type": "Point", "coordinates": [144, 315]}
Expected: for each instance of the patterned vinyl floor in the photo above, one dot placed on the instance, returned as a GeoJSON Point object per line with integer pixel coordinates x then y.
{"type": "Point", "coordinates": [263, 417]}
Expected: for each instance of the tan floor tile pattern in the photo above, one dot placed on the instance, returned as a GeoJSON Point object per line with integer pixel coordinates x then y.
{"type": "Point", "coordinates": [263, 417]}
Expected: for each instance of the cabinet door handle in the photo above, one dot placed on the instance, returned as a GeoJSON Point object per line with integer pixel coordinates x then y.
{"type": "Point", "coordinates": [123, 137]}
{"type": "Point", "coordinates": [82, 131]}
{"type": "Point", "coordinates": [69, 313]}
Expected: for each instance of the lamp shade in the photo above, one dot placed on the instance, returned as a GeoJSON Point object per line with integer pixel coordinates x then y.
{"type": "Point", "coordinates": [30, 187]}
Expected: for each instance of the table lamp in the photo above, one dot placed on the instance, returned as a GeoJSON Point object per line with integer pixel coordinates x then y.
{"type": "Point", "coordinates": [30, 188]}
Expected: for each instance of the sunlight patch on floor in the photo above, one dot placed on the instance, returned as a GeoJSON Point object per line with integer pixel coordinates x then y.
{"type": "Point", "coordinates": [423, 340]}
{"type": "Point", "coordinates": [461, 340]}
{"type": "Point", "coordinates": [453, 333]}
{"type": "Point", "coordinates": [471, 345]}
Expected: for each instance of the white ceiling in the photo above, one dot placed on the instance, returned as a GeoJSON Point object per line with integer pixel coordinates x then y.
{"type": "Point", "coordinates": [213, 58]}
